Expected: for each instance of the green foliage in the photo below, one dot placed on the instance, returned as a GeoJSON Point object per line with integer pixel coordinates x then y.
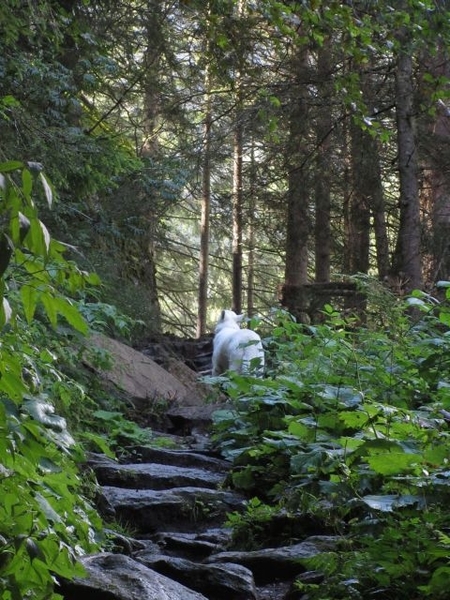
{"type": "Point", "coordinates": [46, 522]}
{"type": "Point", "coordinates": [107, 319]}
{"type": "Point", "coordinates": [351, 428]}
{"type": "Point", "coordinates": [119, 433]}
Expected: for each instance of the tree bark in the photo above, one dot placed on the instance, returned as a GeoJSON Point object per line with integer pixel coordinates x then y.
{"type": "Point", "coordinates": [407, 259]}
{"type": "Point", "coordinates": [323, 166]}
{"type": "Point", "coordinates": [205, 212]}
{"type": "Point", "coordinates": [238, 140]}
{"type": "Point", "coordinates": [237, 218]}
{"type": "Point", "coordinates": [359, 222]}
{"type": "Point", "coordinates": [298, 222]}
{"type": "Point", "coordinates": [251, 236]}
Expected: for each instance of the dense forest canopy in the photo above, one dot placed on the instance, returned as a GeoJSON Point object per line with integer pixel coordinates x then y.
{"type": "Point", "coordinates": [205, 153]}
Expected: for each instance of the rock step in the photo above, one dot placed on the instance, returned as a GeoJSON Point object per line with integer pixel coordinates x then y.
{"type": "Point", "coordinates": [180, 458]}
{"type": "Point", "coordinates": [177, 509]}
{"type": "Point", "coordinates": [176, 503]}
{"type": "Point", "coordinates": [154, 476]}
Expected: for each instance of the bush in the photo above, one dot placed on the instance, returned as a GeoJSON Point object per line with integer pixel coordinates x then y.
{"type": "Point", "coordinates": [46, 521]}
{"type": "Point", "coordinates": [351, 430]}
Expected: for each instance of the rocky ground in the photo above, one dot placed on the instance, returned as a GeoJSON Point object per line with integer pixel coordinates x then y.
{"type": "Point", "coordinates": [175, 502]}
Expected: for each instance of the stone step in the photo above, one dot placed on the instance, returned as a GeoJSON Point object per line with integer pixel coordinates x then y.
{"type": "Point", "coordinates": [178, 509]}
{"type": "Point", "coordinates": [153, 476]}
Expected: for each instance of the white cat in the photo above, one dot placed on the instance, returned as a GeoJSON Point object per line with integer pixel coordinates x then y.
{"type": "Point", "coordinates": [236, 349]}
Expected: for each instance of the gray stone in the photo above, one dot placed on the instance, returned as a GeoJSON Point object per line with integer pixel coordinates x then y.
{"type": "Point", "coordinates": [198, 544]}
{"type": "Point", "coordinates": [119, 577]}
{"type": "Point", "coordinates": [181, 458]}
{"type": "Point", "coordinates": [153, 476]}
{"type": "Point", "coordinates": [219, 581]}
{"type": "Point", "coordinates": [175, 509]}
{"type": "Point", "coordinates": [277, 563]}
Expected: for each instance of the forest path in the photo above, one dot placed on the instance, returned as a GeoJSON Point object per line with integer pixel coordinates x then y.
{"type": "Point", "coordinates": [173, 503]}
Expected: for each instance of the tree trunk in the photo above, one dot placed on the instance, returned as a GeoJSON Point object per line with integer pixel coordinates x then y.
{"type": "Point", "coordinates": [149, 149]}
{"type": "Point", "coordinates": [323, 166]}
{"type": "Point", "coordinates": [205, 210]}
{"type": "Point", "coordinates": [407, 259]}
{"type": "Point", "coordinates": [237, 218]}
{"type": "Point", "coordinates": [359, 222]}
{"type": "Point", "coordinates": [298, 223]}
{"type": "Point", "coordinates": [251, 237]}
{"type": "Point", "coordinates": [237, 179]}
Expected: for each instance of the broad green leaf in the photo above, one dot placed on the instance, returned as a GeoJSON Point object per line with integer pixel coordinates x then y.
{"type": "Point", "coordinates": [29, 296]}
{"type": "Point", "coordinates": [444, 317]}
{"type": "Point", "coordinates": [27, 184]}
{"type": "Point", "coordinates": [11, 165]}
{"type": "Point", "coordinates": [392, 463]}
{"type": "Point", "coordinates": [72, 315]}
{"type": "Point", "coordinates": [11, 385]}
{"type": "Point", "coordinates": [355, 419]}
{"type": "Point", "coordinates": [440, 582]}
{"type": "Point", "coordinates": [299, 430]}
{"type": "Point", "coordinates": [36, 240]}
{"type": "Point", "coordinates": [350, 443]}
{"type": "Point", "coordinates": [51, 307]}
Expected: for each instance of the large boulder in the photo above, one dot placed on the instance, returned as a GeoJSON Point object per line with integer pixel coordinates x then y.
{"type": "Point", "coordinates": [137, 375]}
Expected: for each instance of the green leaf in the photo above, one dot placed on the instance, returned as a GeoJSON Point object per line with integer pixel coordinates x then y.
{"type": "Point", "coordinates": [27, 184]}
{"type": "Point", "coordinates": [50, 305]}
{"type": "Point", "coordinates": [11, 165]}
{"type": "Point", "coordinates": [393, 463]}
{"type": "Point", "coordinates": [71, 314]}
{"type": "Point", "coordinates": [29, 296]}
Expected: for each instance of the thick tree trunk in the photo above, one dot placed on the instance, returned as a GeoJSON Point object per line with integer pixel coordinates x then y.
{"type": "Point", "coordinates": [359, 213]}
{"type": "Point", "coordinates": [237, 179]}
{"type": "Point", "coordinates": [298, 222]}
{"type": "Point", "coordinates": [237, 219]}
{"type": "Point", "coordinates": [251, 237]}
{"type": "Point", "coordinates": [407, 259]}
{"type": "Point", "coordinates": [322, 232]}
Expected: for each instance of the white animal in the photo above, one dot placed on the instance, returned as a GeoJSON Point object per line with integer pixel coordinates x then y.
{"type": "Point", "coordinates": [236, 349]}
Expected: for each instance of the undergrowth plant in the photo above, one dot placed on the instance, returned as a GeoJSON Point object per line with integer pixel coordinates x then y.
{"type": "Point", "coordinates": [351, 430]}
{"type": "Point", "coordinates": [46, 519]}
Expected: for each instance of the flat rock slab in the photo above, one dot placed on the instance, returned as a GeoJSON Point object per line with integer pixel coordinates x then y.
{"type": "Point", "coordinates": [153, 476]}
{"type": "Point", "coordinates": [278, 563]}
{"type": "Point", "coordinates": [179, 458]}
{"type": "Point", "coordinates": [118, 577]}
{"type": "Point", "coordinates": [219, 581]}
{"type": "Point", "coordinates": [177, 509]}
{"type": "Point", "coordinates": [198, 544]}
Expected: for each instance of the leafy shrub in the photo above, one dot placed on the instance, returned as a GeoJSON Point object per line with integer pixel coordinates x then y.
{"type": "Point", "coordinates": [351, 429]}
{"type": "Point", "coordinates": [45, 520]}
